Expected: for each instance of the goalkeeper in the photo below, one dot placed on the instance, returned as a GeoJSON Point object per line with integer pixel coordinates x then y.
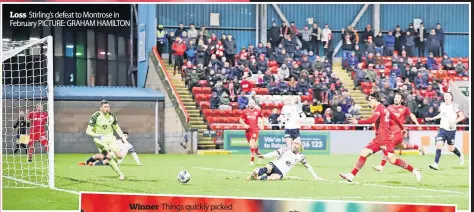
{"type": "Point", "coordinates": [101, 127]}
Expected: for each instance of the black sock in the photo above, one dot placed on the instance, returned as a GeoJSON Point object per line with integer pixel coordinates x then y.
{"type": "Point", "coordinates": [456, 152]}
{"type": "Point", "coordinates": [17, 147]}
{"type": "Point", "coordinates": [438, 155]}
{"type": "Point", "coordinates": [262, 171]}
{"type": "Point", "coordinates": [264, 177]}
{"type": "Point", "coordinates": [90, 160]}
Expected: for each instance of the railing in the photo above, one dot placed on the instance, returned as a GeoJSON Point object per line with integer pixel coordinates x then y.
{"type": "Point", "coordinates": [356, 126]}
{"type": "Point", "coordinates": [178, 103]}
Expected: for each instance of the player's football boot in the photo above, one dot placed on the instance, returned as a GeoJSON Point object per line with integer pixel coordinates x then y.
{"type": "Point", "coordinates": [254, 175]}
{"type": "Point", "coordinates": [422, 150]}
{"type": "Point", "coordinates": [82, 163]}
{"type": "Point", "coordinates": [251, 163]}
{"type": "Point", "coordinates": [349, 177]}
{"type": "Point", "coordinates": [122, 177]}
{"type": "Point", "coordinates": [417, 174]}
{"type": "Point", "coordinates": [378, 168]}
{"type": "Point", "coordinates": [434, 166]}
{"type": "Point", "coordinates": [461, 160]}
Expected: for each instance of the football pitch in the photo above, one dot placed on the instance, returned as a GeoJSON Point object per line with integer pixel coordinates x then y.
{"type": "Point", "coordinates": [224, 175]}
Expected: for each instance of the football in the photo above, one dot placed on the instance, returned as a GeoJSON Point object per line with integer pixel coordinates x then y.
{"type": "Point", "coordinates": [184, 176]}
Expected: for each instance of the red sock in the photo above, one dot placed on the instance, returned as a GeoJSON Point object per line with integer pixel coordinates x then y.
{"type": "Point", "coordinates": [252, 154]}
{"type": "Point", "coordinates": [359, 165]}
{"type": "Point", "coordinates": [30, 149]}
{"type": "Point", "coordinates": [412, 146]}
{"type": "Point", "coordinates": [257, 151]}
{"type": "Point", "coordinates": [383, 162]}
{"type": "Point", "coordinates": [403, 164]}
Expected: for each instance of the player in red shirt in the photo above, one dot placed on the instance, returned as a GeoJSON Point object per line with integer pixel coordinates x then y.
{"type": "Point", "coordinates": [382, 141]}
{"type": "Point", "coordinates": [401, 112]}
{"type": "Point", "coordinates": [38, 119]}
{"type": "Point", "coordinates": [250, 118]}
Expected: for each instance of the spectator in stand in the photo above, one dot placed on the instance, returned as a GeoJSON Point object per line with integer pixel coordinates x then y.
{"type": "Point", "coordinates": [420, 82]}
{"type": "Point", "coordinates": [284, 73]}
{"type": "Point", "coordinates": [191, 52]}
{"type": "Point", "coordinates": [284, 30]}
{"type": "Point", "coordinates": [327, 116]}
{"type": "Point", "coordinates": [219, 89]}
{"type": "Point", "coordinates": [368, 33]}
{"type": "Point", "coordinates": [352, 61]}
{"type": "Point", "coordinates": [294, 30]}
{"type": "Point", "coordinates": [419, 64]}
{"type": "Point", "coordinates": [252, 65]}
{"type": "Point", "coordinates": [326, 36]}
{"type": "Point", "coordinates": [261, 49]}
{"type": "Point", "coordinates": [179, 48]}
{"type": "Point", "coordinates": [317, 65]}
{"type": "Point", "coordinates": [347, 49]}
{"type": "Point", "coordinates": [358, 53]}
{"type": "Point", "coordinates": [430, 113]}
{"type": "Point", "coordinates": [282, 57]}
{"type": "Point", "coordinates": [302, 87]}
{"type": "Point", "coordinates": [405, 71]}
{"type": "Point", "coordinates": [423, 108]}
{"type": "Point", "coordinates": [270, 54]}
{"type": "Point", "coordinates": [379, 43]}
{"type": "Point", "coordinates": [268, 79]}
{"type": "Point", "coordinates": [230, 48]}
{"type": "Point", "coordinates": [251, 51]}
{"type": "Point", "coordinates": [201, 52]}
{"type": "Point", "coordinates": [215, 101]}
{"type": "Point", "coordinates": [299, 53]}
{"type": "Point", "coordinates": [441, 74]}
{"type": "Point", "coordinates": [262, 63]}
{"type": "Point", "coordinates": [339, 116]}
{"type": "Point", "coordinates": [410, 44]}
{"type": "Point", "coordinates": [447, 63]}
{"type": "Point", "coordinates": [186, 39]}
{"type": "Point", "coordinates": [316, 33]}
{"type": "Point", "coordinates": [225, 101]}
{"type": "Point", "coordinates": [370, 59]}
{"type": "Point", "coordinates": [246, 85]}
{"type": "Point", "coordinates": [192, 32]}
{"type": "Point", "coordinates": [223, 38]}
{"type": "Point", "coordinates": [273, 119]}
{"type": "Point", "coordinates": [171, 38]}
{"type": "Point", "coordinates": [290, 45]}
{"type": "Point", "coordinates": [421, 38]}
{"type": "Point", "coordinates": [242, 100]}
{"type": "Point", "coordinates": [283, 88]}
{"type": "Point", "coordinates": [180, 30]}
{"type": "Point", "coordinates": [433, 43]}
{"type": "Point", "coordinates": [371, 74]}
{"type": "Point", "coordinates": [440, 34]}
{"type": "Point", "coordinates": [212, 78]}
{"type": "Point", "coordinates": [292, 84]}
{"type": "Point", "coordinates": [306, 108]}
{"type": "Point", "coordinates": [369, 46]}
{"type": "Point", "coordinates": [193, 79]}
{"type": "Point", "coordinates": [399, 39]}
{"type": "Point", "coordinates": [274, 33]}
{"type": "Point", "coordinates": [295, 71]}
{"type": "Point", "coordinates": [305, 76]}
{"type": "Point", "coordinates": [360, 76]}
{"type": "Point", "coordinates": [461, 70]}
{"type": "Point", "coordinates": [306, 38]}
{"type": "Point", "coordinates": [379, 61]}
{"type": "Point", "coordinates": [395, 70]}
{"type": "Point", "coordinates": [214, 63]}
{"type": "Point", "coordinates": [430, 92]}
{"type": "Point", "coordinates": [311, 57]}
{"type": "Point", "coordinates": [431, 62]}
{"type": "Point", "coordinates": [389, 46]}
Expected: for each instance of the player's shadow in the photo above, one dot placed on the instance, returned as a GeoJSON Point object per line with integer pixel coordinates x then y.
{"type": "Point", "coordinates": [460, 168]}
{"type": "Point", "coordinates": [393, 182]}
{"type": "Point", "coordinates": [109, 187]}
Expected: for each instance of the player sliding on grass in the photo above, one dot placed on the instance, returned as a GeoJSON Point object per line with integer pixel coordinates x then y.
{"type": "Point", "coordinates": [287, 158]}
{"type": "Point", "coordinates": [291, 115]}
{"type": "Point", "coordinates": [401, 112]}
{"type": "Point", "coordinates": [101, 127]}
{"type": "Point", "coordinates": [124, 148]}
{"type": "Point", "coordinates": [450, 115]}
{"type": "Point", "coordinates": [382, 141]}
{"type": "Point", "coordinates": [250, 118]}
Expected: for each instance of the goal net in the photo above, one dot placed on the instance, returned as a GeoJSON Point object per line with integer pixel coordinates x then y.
{"type": "Point", "coordinates": [27, 113]}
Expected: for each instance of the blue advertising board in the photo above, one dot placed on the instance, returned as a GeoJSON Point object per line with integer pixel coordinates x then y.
{"type": "Point", "coordinates": [314, 142]}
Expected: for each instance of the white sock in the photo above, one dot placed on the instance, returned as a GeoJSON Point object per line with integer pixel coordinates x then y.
{"type": "Point", "coordinates": [135, 156]}
{"type": "Point", "coordinates": [120, 161]}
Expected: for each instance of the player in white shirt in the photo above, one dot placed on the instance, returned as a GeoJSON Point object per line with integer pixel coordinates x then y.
{"type": "Point", "coordinates": [125, 149]}
{"type": "Point", "coordinates": [286, 159]}
{"type": "Point", "coordinates": [291, 115]}
{"type": "Point", "coordinates": [450, 114]}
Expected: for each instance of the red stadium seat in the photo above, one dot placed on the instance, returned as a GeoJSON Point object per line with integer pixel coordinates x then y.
{"type": "Point", "coordinates": [236, 112]}
{"type": "Point", "coordinates": [423, 60]}
{"type": "Point", "coordinates": [203, 83]}
{"type": "Point", "coordinates": [438, 60]}
{"type": "Point", "coordinates": [208, 97]}
{"type": "Point", "coordinates": [306, 127]}
{"type": "Point", "coordinates": [204, 105]}
{"type": "Point", "coordinates": [206, 90]}
{"type": "Point", "coordinates": [221, 119]}
{"type": "Point", "coordinates": [305, 98]}
{"type": "Point", "coordinates": [318, 120]}
{"type": "Point", "coordinates": [219, 126]}
{"type": "Point", "coordinates": [218, 113]}
{"type": "Point", "coordinates": [196, 90]}
{"type": "Point", "coordinates": [233, 119]}
{"type": "Point", "coordinates": [211, 120]}
{"type": "Point", "coordinates": [421, 120]}
{"type": "Point", "coordinates": [226, 113]}
{"type": "Point", "coordinates": [207, 112]}
{"type": "Point", "coordinates": [263, 91]}
{"type": "Point", "coordinates": [266, 113]}
{"type": "Point", "coordinates": [465, 60]}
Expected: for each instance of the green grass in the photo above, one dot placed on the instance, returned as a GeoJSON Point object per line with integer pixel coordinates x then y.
{"type": "Point", "coordinates": [224, 175]}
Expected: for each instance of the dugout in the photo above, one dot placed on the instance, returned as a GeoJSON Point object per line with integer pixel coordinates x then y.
{"type": "Point", "coordinates": [140, 111]}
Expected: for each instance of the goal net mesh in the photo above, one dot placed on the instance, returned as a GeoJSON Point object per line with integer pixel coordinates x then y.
{"type": "Point", "coordinates": [27, 120]}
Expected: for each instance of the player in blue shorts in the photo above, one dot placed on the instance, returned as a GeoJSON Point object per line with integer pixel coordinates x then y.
{"type": "Point", "coordinates": [450, 114]}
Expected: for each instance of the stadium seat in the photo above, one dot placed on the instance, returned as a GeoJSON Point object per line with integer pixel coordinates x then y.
{"type": "Point", "coordinates": [207, 112]}
{"type": "Point", "coordinates": [233, 119]}
{"type": "Point", "coordinates": [206, 90]}
{"type": "Point", "coordinates": [465, 60]}
{"type": "Point", "coordinates": [196, 90]}
{"type": "Point", "coordinates": [204, 105]}
{"type": "Point", "coordinates": [421, 120]}
{"type": "Point", "coordinates": [318, 120]}
{"type": "Point", "coordinates": [234, 105]}
{"type": "Point", "coordinates": [266, 113]}
{"type": "Point", "coordinates": [236, 112]}
{"type": "Point", "coordinates": [211, 120]}
{"type": "Point", "coordinates": [203, 83]}
{"type": "Point", "coordinates": [221, 119]}
{"type": "Point", "coordinates": [218, 113]}
{"type": "Point", "coordinates": [208, 97]}
{"type": "Point", "coordinates": [306, 98]}
{"type": "Point", "coordinates": [263, 91]}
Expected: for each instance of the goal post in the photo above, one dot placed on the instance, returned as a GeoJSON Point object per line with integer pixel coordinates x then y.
{"type": "Point", "coordinates": [27, 113]}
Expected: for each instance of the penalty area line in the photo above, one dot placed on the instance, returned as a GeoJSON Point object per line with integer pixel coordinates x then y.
{"type": "Point", "coordinates": [40, 185]}
{"type": "Point", "coordinates": [344, 182]}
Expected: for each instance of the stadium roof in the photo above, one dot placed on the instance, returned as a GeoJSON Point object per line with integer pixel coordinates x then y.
{"type": "Point", "coordinates": [83, 93]}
